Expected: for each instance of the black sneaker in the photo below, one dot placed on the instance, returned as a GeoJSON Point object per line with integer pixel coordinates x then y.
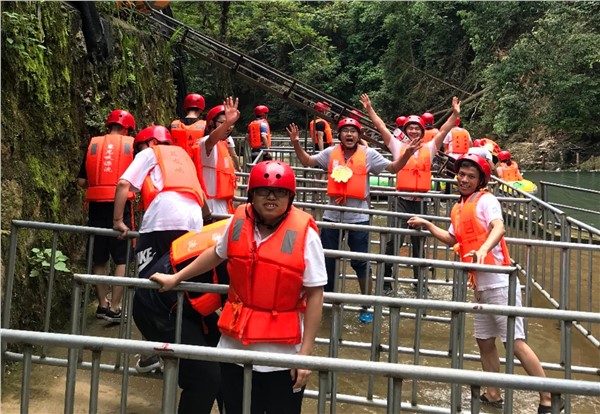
{"type": "Point", "coordinates": [101, 312]}
{"type": "Point", "coordinates": [146, 364]}
{"type": "Point", "coordinates": [114, 317]}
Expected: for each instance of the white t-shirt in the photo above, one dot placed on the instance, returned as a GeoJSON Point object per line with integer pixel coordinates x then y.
{"type": "Point", "coordinates": [488, 209]}
{"type": "Point", "coordinates": [448, 142]}
{"type": "Point", "coordinates": [376, 163]}
{"type": "Point", "coordinates": [481, 152]}
{"type": "Point", "coordinates": [210, 177]}
{"type": "Point", "coordinates": [169, 210]}
{"type": "Point", "coordinates": [314, 275]}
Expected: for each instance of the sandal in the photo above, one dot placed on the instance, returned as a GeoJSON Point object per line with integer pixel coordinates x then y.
{"type": "Point", "coordinates": [493, 404]}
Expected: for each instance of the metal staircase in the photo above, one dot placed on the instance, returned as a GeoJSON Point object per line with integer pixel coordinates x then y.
{"type": "Point", "coordinates": [257, 73]}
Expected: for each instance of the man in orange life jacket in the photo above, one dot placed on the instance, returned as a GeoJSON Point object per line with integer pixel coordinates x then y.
{"type": "Point", "coordinates": [187, 131]}
{"type": "Point", "coordinates": [414, 177]}
{"type": "Point", "coordinates": [478, 228]}
{"type": "Point", "coordinates": [457, 141]}
{"type": "Point", "coordinates": [171, 194]}
{"type": "Point", "coordinates": [430, 130]}
{"type": "Point", "coordinates": [277, 271]}
{"type": "Point", "coordinates": [351, 189]}
{"type": "Point", "coordinates": [508, 170]}
{"type": "Point", "coordinates": [259, 133]}
{"type": "Point", "coordinates": [106, 158]}
{"type": "Point", "coordinates": [212, 157]}
{"type": "Point", "coordinates": [320, 129]}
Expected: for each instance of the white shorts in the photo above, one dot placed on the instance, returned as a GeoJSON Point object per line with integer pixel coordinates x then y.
{"type": "Point", "coordinates": [494, 326]}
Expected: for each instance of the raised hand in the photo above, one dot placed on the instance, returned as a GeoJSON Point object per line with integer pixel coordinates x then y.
{"type": "Point", "coordinates": [293, 132]}
{"type": "Point", "coordinates": [455, 106]}
{"type": "Point", "coordinates": [231, 109]}
{"type": "Point", "coordinates": [365, 101]}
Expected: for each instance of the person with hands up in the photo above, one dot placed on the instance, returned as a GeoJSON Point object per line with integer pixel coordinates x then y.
{"type": "Point", "coordinates": [277, 272]}
{"type": "Point", "coordinates": [477, 234]}
{"type": "Point", "coordinates": [414, 177]}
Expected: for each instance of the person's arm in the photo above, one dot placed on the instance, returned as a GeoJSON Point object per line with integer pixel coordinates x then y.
{"type": "Point", "coordinates": [312, 321]}
{"type": "Point", "coordinates": [377, 121]}
{"type": "Point", "coordinates": [231, 116]}
{"type": "Point", "coordinates": [206, 213]}
{"type": "Point", "coordinates": [206, 261]}
{"type": "Point", "coordinates": [496, 233]}
{"type": "Point", "coordinates": [442, 235]}
{"type": "Point", "coordinates": [320, 135]}
{"type": "Point", "coordinates": [123, 187]}
{"type": "Point", "coordinates": [445, 129]}
{"type": "Point", "coordinates": [408, 152]}
{"type": "Point", "coordinates": [302, 155]}
{"type": "Point", "coordinates": [263, 134]}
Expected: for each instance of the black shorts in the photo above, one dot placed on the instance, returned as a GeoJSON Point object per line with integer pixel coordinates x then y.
{"type": "Point", "coordinates": [106, 247]}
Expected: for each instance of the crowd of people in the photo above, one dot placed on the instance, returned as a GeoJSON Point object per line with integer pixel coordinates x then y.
{"type": "Point", "coordinates": [269, 252]}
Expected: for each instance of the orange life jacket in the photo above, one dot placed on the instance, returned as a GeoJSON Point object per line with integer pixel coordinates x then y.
{"type": "Point", "coordinates": [107, 158]}
{"type": "Point", "coordinates": [224, 170]}
{"type": "Point", "coordinates": [254, 133]}
{"type": "Point", "coordinates": [185, 136]}
{"type": "Point", "coordinates": [178, 173]}
{"type": "Point", "coordinates": [509, 172]}
{"type": "Point", "coordinates": [265, 288]}
{"type": "Point", "coordinates": [460, 140]}
{"type": "Point", "coordinates": [356, 186]}
{"type": "Point", "coordinates": [429, 135]}
{"type": "Point", "coordinates": [470, 234]}
{"type": "Point", "coordinates": [416, 174]}
{"type": "Point", "coordinates": [188, 247]}
{"type": "Point", "coordinates": [328, 133]}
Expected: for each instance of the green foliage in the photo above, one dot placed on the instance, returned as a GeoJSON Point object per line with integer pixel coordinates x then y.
{"type": "Point", "coordinates": [40, 262]}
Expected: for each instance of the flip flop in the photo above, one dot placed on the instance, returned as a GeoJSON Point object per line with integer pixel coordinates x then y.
{"type": "Point", "coordinates": [493, 404]}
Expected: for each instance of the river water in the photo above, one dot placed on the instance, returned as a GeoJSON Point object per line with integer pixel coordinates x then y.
{"type": "Point", "coordinates": [583, 179]}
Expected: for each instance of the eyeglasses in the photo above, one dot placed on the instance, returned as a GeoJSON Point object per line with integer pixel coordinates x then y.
{"type": "Point", "coordinates": [219, 122]}
{"type": "Point", "coordinates": [277, 192]}
{"type": "Point", "coordinates": [348, 129]}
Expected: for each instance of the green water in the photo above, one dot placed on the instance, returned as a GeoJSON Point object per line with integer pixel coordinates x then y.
{"type": "Point", "coordinates": [590, 180]}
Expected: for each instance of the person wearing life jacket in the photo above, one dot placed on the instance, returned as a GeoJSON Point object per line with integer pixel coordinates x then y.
{"type": "Point", "coordinates": [259, 133]}
{"type": "Point", "coordinates": [349, 165]}
{"type": "Point", "coordinates": [215, 166]}
{"type": "Point", "coordinates": [154, 315]}
{"type": "Point", "coordinates": [457, 141]}
{"type": "Point", "coordinates": [508, 170]}
{"type": "Point", "coordinates": [185, 132]}
{"type": "Point", "coordinates": [477, 232]}
{"type": "Point", "coordinates": [414, 177]}
{"type": "Point", "coordinates": [277, 271]}
{"type": "Point", "coordinates": [172, 197]}
{"type": "Point", "coordinates": [106, 158]}
{"type": "Point", "coordinates": [430, 130]}
{"type": "Point", "coordinates": [320, 129]}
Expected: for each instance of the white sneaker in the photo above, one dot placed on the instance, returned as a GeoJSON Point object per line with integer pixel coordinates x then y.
{"type": "Point", "coordinates": [150, 363]}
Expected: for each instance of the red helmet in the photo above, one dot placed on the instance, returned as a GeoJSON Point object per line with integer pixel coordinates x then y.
{"type": "Point", "coordinates": [415, 119]}
{"type": "Point", "coordinates": [322, 106]}
{"type": "Point", "coordinates": [214, 112]}
{"type": "Point", "coordinates": [121, 117]}
{"type": "Point", "coordinates": [478, 143]}
{"type": "Point", "coordinates": [481, 164]}
{"type": "Point", "coordinates": [349, 121]}
{"type": "Point", "coordinates": [400, 121]}
{"type": "Point", "coordinates": [427, 118]}
{"type": "Point", "coordinates": [504, 155]}
{"type": "Point", "coordinates": [260, 110]}
{"type": "Point", "coordinates": [272, 174]}
{"type": "Point", "coordinates": [193, 100]}
{"type": "Point", "coordinates": [457, 122]}
{"type": "Point", "coordinates": [158, 132]}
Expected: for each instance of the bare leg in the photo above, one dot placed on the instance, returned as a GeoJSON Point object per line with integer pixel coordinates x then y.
{"type": "Point", "coordinates": [101, 289]}
{"type": "Point", "coordinates": [490, 362]}
{"type": "Point", "coordinates": [117, 291]}
{"type": "Point", "coordinates": [532, 366]}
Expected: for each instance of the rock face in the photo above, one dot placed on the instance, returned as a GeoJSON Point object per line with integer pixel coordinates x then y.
{"type": "Point", "coordinates": [55, 97]}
